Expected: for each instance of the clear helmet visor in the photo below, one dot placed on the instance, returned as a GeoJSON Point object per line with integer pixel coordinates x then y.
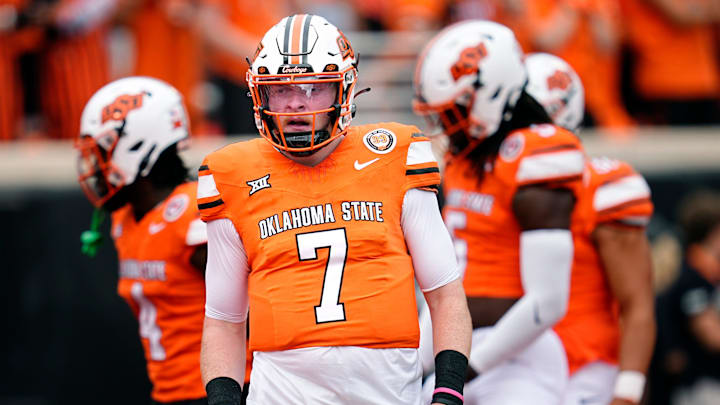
{"type": "Point", "coordinates": [300, 114]}
{"type": "Point", "coordinates": [299, 97]}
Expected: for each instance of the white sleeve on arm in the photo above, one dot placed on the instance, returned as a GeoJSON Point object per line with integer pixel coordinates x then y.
{"type": "Point", "coordinates": [196, 233]}
{"type": "Point", "coordinates": [226, 274]}
{"type": "Point", "coordinates": [545, 261]}
{"type": "Point", "coordinates": [428, 241]}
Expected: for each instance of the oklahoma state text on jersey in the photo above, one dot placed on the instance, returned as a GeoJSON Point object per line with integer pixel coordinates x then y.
{"type": "Point", "coordinates": [327, 256]}
{"type": "Point", "coordinates": [613, 193]}
{"type": "Point", "coordinates": [164, 291]}
{"type": "Point", "coordinates": [480, 216]}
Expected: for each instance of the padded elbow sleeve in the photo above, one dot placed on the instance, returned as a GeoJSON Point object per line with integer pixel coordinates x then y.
{"type": "Point", "coordinates": [545, 261]}
{"type": "Point", "coordinates": [546, 257]}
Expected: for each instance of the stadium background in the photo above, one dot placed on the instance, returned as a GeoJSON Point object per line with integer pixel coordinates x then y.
{"type": "Point", "coordinates": [651, 69]}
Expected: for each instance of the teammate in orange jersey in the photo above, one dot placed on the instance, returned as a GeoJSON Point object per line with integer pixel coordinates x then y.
{"type": "Point", "coordinates": [510, 182]}
{"type": "Point", "coordinates": [321, 227]}
{"type": "Point", "coordinates": [611, 281]}
{"type": "Point", "coordinates": [131, 130]}
{"type": "Point", "coordinates": [68, 38]}
{"type": "Point", "coordinates": [611, 286]}
{"type": "Point", "coordinates": [684, 89]}
{"type": "Point", "coordinates": [240, 24]}
{"type": "Point", "coordinates": [586, 34]}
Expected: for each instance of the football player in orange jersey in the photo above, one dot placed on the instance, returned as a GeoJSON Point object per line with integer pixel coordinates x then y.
{"type": "Point", "coordinates": [128, 163]}
{"type": "Point", "coordinates": [511, 181]}
{"type": "Point", "coordinates": [321, 227]}
{"type": "Point", "coordinates": [611, 283]}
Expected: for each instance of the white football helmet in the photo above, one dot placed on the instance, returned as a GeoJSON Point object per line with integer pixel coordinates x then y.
{"type": "Point", "coordinates": [299, 54]}
{"type": "Point", "coordinates": [124, 128]}
{"type": "Point", "coordinates": [555, 85]}
{"type": "Point", "coordinates": [469, 78]}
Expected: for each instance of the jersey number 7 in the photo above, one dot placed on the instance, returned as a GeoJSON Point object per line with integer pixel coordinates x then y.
{"type": "Point", "coordinates": [330, 308]}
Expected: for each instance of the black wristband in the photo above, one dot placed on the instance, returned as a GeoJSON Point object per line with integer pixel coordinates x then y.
{"type": "Point", "coordinates": [450, 370]}
{"type": "Point", "coordinates": [223, 391]}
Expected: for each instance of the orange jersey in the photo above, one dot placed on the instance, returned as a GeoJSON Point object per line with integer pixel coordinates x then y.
{"type": "Point", "coordinates": [614, 192]}
{"type": "Point", "coordinates": [12, 44]}
{"type": "Point", "coordinates": [326, 252]}
{"type": "Point", "coordinates": [164, 291]}
{"type": "Point", "coordinates": [693, 71]}
{"type": "Point", "coordinates": [406, 14]}
{"type": "Point", "coordinates": [597, 66]}
{"type": "Point", "coordinates": [480, 216]}
{"type": "Point", "coordinates": [10, 87]}
{"type": "Point", "coordinates": [252, 21]}
{"type": "Point", "coordinates": [73, 69]}
{"type": "Point", "coordinates": [168, 49]}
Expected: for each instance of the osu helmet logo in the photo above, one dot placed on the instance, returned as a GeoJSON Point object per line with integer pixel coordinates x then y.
{"type": "Point", "coordinates": [344, 45]}
{"type": "Point", "coordinates": [559, 80]}
{"type": "Point", "coordinates": [121, 106]}
{"type": "Point", "coordinates": [467, 63]}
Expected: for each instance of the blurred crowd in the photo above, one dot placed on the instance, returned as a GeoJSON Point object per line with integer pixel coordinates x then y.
{"type": "Point", "coordinates": [684, 370]}
{"type": "Point", "coordinates": [643, 62]}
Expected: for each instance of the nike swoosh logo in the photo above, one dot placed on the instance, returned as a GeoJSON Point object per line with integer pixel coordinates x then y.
{"type": "Point", "coordinates": [156, 227]}
{"type": "Point", "coordinates": [360, 166]}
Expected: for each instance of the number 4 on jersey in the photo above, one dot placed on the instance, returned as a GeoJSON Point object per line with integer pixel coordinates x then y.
{"type": "Point", "coordinates": [147, 321]}
{"type": "Point", "coordinates": [330, 308]}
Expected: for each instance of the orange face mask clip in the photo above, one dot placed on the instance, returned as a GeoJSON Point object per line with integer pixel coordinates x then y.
{"type": "Point", "coordinates": [445, 119]}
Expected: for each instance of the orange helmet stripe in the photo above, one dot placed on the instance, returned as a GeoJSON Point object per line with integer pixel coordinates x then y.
{"type": "Point", "coordinates": [297, 24]}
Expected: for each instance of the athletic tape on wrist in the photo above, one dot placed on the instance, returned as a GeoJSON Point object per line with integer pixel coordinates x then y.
{"type": "Point", "coordinates": [223, 391]}
{"type": "Point", "coordinates": [629, 385]}
{"type": "Point", "coordinates": [450, 371]}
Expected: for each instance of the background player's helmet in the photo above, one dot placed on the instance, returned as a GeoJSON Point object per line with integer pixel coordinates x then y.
{"type": "Point", "coordinates": [555, 85]}
{"type": "Point", "coordinates": [124, 128]}
{"type": "Point", "coordinates": [303, 51]}
{"type": "Point", "coordinates": [469, 78]}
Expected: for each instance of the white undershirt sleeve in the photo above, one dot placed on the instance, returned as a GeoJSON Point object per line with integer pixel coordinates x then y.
{"type": "Point", "coordinates": [196, 233]}
{"type": "Point", "coordinates": [545, 261]}
{"type": "Point", "coordinates": [428, 240]}
{"type": "Point", "coordinates": [226, 274]}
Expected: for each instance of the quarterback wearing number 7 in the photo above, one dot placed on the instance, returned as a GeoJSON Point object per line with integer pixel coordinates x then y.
{"type": "Point", "coordinates": [320, 228]}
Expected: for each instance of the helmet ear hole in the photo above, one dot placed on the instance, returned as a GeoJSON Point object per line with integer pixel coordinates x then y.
{"type": "Point", "coordinates": [137, 146]}
{"type": "Point", "coordinates": [146, 161]}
